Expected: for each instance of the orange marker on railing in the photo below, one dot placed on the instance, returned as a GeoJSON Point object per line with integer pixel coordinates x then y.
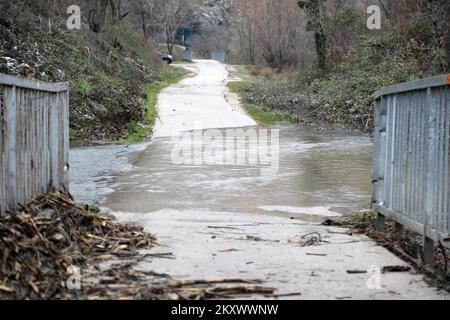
{"type": "Point", "coordinates": [447, 79]}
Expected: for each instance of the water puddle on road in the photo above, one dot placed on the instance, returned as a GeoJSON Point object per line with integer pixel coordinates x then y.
{"type": "Point", "coordinates": [92, 170]}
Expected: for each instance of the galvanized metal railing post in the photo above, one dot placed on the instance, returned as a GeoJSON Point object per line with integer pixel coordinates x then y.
{"type": "Point", "coordinates": [411, 169]}
{"type": "Point", "coordinates": [2, 157]}
{"type": "Point", "coordinates": [429, 245]}
{"type": "Point", "coordinates": [54, 141]}
{"type": "Point", "coordinates": [10, 146]}
{"type": "Point", "coordinates": [66, 140]}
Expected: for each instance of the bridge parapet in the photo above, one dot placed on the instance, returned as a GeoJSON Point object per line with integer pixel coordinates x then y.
{"type": "Point", "coordinates": [411, 170]}
{"type": "Point", "coordinates": [34, 139]}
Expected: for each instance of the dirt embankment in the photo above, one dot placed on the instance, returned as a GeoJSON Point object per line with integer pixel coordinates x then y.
{"type": "Point", "coordinates": [108, 71]}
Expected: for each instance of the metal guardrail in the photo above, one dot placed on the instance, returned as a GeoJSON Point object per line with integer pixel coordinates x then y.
{"type": "Point", "coordinates": [34, 139]}
{"type": "Point", "coordinates": [411, 170]}
{"type": "Point", "coordinates": [218, 55]}
{"type": "Point", "coordinates": [188, 55]}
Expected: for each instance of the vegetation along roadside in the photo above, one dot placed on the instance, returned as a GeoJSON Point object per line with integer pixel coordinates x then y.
{"type": "Point", "coordinates": [140, 131]}
{"type": "Point", "coordinates": [325, 68]}
{"type": "Point", "coordinates": [261, 114]}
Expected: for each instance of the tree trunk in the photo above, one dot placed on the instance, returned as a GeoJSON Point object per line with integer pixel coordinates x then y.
{"type": "Point", "coordinates": [114, 9]}
{"type": "Point", "coordinates": [315, 11]}
{"type": "Point", "coordinates": [170, 47]}
{"type": "Point", "coordinates": [97, 15]}
{"type": "Point", "coordinates": [144, 22]}
{"type": "Point", "coordinates": [321, 48]}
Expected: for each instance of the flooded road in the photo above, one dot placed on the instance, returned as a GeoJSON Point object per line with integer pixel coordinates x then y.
{"type": "Point", "coordinates": [223, 222]}
{"type": "Point", "coordinates": [318, 171]}
{"type": "Point", "coordinates": [223, 218]}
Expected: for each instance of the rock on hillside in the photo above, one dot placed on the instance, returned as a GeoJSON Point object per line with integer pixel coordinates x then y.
{"type": "Point", "coordinates": [213, 12]}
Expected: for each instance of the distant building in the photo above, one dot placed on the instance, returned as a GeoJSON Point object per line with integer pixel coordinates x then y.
{"type": "Point", "coordinates": [185, 34]}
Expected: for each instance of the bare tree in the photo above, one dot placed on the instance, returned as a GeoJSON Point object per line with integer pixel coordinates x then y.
{"type": "Point", "coordinates": [433, 14]}
{"type": "Point", "coordinates": [144, 10]}
{"type": "Point", "coordinates": [96, 14]}
{"type": "Point", "coordinates": [436, 15]}
{"type": "Point", "coordinates": [315, 11]}
{"type": "Point", "coordinates": [171, 15]}
{"type": "Point", "coordinates": [211, 38]}
{"type": "Point", "coordinates": [117, 12]}
{"type": "Point", "coordinates": [245, 24]}
{"type": "Point", "coordinates": [271, 30]}
{"type": "Point", "coordinates": [278, 30]}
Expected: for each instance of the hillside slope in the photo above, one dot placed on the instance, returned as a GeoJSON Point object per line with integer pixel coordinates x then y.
{"type": "Point", "coordinates": [108, 71]}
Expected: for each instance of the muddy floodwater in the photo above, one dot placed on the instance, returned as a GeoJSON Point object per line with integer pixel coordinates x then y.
{"type": "Point", "coordinates": [92, 170]}
{"type": "Point", "coordinates": [319, 172]}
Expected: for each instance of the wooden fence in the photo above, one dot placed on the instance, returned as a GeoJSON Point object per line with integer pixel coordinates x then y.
{"type": "Point", "coordinates": [411, 171]}
{"type": "Point", "coordinates": [34, 139]}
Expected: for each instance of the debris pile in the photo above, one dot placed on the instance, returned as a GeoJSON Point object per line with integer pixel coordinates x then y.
{"type": "Point", "coordinates": [310, 239]}
{"type": "Point", "coordinates": [40, 243]}
{"type": "Point", "coordinates": [405, 244]}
